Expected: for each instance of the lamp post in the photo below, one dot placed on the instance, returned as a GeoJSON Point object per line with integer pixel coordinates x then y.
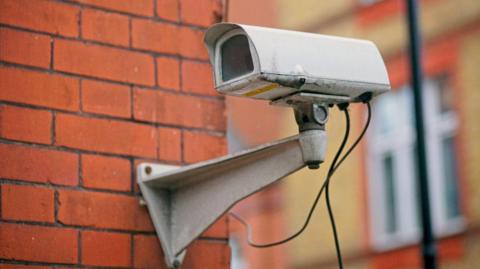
{"type": "Point", "coordinates": [429, 251]}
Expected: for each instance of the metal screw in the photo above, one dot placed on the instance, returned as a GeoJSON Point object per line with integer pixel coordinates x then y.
{"type": "Point", "coordinates": [148, 170]}
{"type": "Point", "coordinates": [320, 114]}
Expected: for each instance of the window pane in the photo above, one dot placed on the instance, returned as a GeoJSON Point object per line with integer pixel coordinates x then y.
{"type": "Point", "coordinates": [416, 183]}
{"type": "Point", "coordinates": [386, 113]}
{"type": "Point", "coordinates": [408, 107]}
{"type": "Point", "coordinates": [237, 260]}
{"type": "Point", "coordinates": [389, 192]}
{"type": "Point", "coordinates": [236, 58]}
{"type": "Point", "coordinates": [450, 178]}
{"type": "Point", "coordinates": [445, 95]}
{"type": "Point", "coordinates": [393, 112]}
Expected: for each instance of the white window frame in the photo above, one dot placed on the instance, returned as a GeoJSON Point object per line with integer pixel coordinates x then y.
{"type": "Point", "coordinates": [401, 143]}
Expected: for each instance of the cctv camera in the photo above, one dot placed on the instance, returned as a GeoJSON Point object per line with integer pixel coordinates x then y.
{"type": "Point", "coordinates": [288, 67]}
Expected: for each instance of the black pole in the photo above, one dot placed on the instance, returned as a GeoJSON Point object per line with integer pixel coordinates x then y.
{"type": "Point", "coordinates": [429, 250]}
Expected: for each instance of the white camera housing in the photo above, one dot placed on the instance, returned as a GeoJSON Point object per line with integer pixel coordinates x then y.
{"type": "Point", "coordinates": [277, 65]}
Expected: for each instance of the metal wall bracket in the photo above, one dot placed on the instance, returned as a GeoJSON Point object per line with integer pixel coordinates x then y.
{"type": "Point", "coordinates": [184, 202]}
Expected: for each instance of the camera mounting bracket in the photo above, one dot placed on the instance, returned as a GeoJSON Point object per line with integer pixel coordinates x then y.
{"type": "Point", "coordinates": [183, 202]}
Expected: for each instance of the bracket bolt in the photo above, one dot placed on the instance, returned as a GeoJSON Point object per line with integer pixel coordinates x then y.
{"type": "Point", "coordinates": [320, 114]}
{"type": "Point", "coordinates": [148, 170]}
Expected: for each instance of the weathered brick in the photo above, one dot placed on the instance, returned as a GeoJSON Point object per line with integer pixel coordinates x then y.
{"type": "Point", "coordinates": [197, 78]}
{"type": "Point", "coordinates": [25, 124]}
{"type": "Point", "coordinates": [38, 165]}
{"type": "Point", "coordinates": [168, 9]}
{"type": "Point", "coordinates": [169, 144]}
{"type": "Point", "coordinates": [168, 38]}
{"type": "Point", "coordinates": [108, 173]}
{"type": "Point", "coordinates": [219, 229]}
{"type": "Point", "coordinates": [105, 27]}
{"type": "Point", "coordinates": [37, 243]}
{"type": "Point", "coordinates": [155, 36]}
{"type": "Point", "coordinates": [21, 266]}
{"type": "Point", "coordinates": [138, 7]}
{"type": "Point", "coordinates": [46, 16]}
{"type": "Point", "coordinates": [36, 88]}
{"type": "Point", "coordinates": [30, 203]}
{"type": "Point", "coordinates": [114, 249]}
{"type": "Point", "coordinates": [201, 12]}
{"type": "Point", "coordinates": [103, 210]}
{"type": "Point", "coordinates": [181, 110]}
{"type": "Point", "coordinates": [211, 146]}
{"type": "Point", "coordinates": [106, 135]}
{"type": "Point", "coordinates": [190, 43]}
{"type": "Point", "coordinates": [208, 254]}
{"type": "Point", "coordinates": [25, 48]}
{"type": "Point", "coordinates": [106, 98]}
{"type": "Point", "coordinates": [103, 62]}
{"type": "Point", "coordinates": [147, 252]}
{"type": "Point", "coordinates": [168, 73]}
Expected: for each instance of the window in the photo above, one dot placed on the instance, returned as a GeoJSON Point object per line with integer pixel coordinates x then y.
{"type": "Point", "coordinates": [392, 165]}
{"type": "Point", "coordinates": [237, 260]}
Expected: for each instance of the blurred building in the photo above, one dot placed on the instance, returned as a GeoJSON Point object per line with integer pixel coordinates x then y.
{"type": "Point", "coordinates": [374, 194]}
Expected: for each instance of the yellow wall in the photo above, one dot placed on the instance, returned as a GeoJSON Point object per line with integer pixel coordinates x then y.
{"type": "Point", "coordinates": [439, 17]}
{"type": "Point", "coordinates": [303, 14]}
{"type": "Point", "coordinates": [469, 77]}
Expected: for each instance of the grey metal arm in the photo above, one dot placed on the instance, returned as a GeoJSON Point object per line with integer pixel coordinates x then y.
{"type": "Point", "coordinates": [184, 202]}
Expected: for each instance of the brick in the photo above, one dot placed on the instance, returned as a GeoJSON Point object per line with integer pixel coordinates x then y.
{"type": "Point", "coordinates": [168, 10]}
{"type": "Point", "coordinates": [20, 266]}
{"type": "Point", "coordinates": [169, 144]}
{"type": "Point", "coordinates": [103, 135]}
{"type": "Point", "coordinates": [199, 146]}
{"type": "Point", "coordinates": [106, 99]}
{"type": "Point", "coordinates": [168, 38]}
{"type": "Point", "coordinates": [103, 62]}
{"type": "Point", "coordinates": [25, 124]}
{"type": "Point", "coordinates": [155, 36]}
{"type": "Point", "coordinates": [180, 110]}
{"type": "Point", "coordinates": [25, 48]}
{"type": "Point", "coordinates": [201, 12]}
{"type": "Point", "coordinates": [197, 78]}
{"type": "Point", "coordinates": [38, 165]}
{"type": "Point", "coordinates": [168, 73]}
{"type": "Point", "coordinates": [103, 210]}
{"type": "Point", "coordinates": [30, 203]}
{"type": "Point", "coordinates": [41, 89]}
{"type": "Point", "coordinates": [106, 249]}
{"type": "Point", "coordinates": [147, 252]}
{"type": "Point", "coordinates": [108, 173]}
{"type": "Point", "coordinates": [208, 254]}
{"type": "Point", "coordinates": [46, 16]}
{"type": "Point", "coordinates": [138, 7]}
{"type": "Point", "coordinates": [218, 230]}
{"type": "Point", "coordinates": [37, 243]}
{"type": "Point", "coordinates": [190, 43]}
{"type": "Point", "coordinates": [105, 27]}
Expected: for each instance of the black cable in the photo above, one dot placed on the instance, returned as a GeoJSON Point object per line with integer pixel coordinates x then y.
{"type": "Point", "coordinates": [312, 209]}
{"type": "Point", "coordinates": [362, 134]}
{"type": "Point", "coordinates": [327, 187]}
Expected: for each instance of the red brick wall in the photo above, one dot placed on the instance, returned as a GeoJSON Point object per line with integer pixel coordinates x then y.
{"type": "Point", "coordinates": [89, 89]}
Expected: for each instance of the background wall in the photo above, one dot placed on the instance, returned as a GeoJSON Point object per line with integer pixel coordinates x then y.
{"type": "Point", "coordinates": [451, 34]}
{"type": "Point", "coordinates": [89, 89]}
